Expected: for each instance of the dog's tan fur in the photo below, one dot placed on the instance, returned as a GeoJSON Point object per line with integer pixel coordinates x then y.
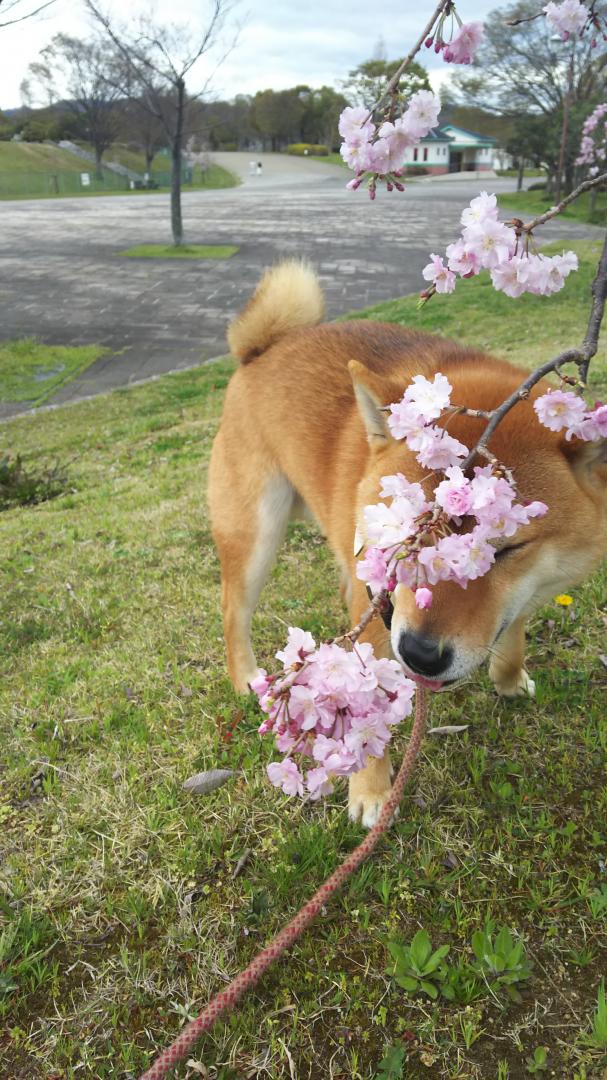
{"type": "Point", "coordinates": [303, 432]}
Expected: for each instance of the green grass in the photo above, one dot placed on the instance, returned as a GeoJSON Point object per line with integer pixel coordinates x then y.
{"type": "Point", "coordinates": [119, 912]}
{"type": "Point", "coordinates": [533, 203]}
{"type": "Point", "coordinates": [38, 170]}
{"type": "Point", "coordinates": [37, 157]}
{"type": "Point", "coordinates": [32, 372]}
{"type": "Point", "coordinates": [187, 251]}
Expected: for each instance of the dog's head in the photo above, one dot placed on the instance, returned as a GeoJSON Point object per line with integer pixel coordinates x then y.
{"type": "Point", "coordinates": [463, 626]}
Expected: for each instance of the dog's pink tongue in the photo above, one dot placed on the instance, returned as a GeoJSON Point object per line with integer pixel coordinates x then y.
{"type": "Point", "coordinates": [428, 684]}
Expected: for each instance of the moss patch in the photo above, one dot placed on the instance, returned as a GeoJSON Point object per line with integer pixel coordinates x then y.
{"type": "Point", "coordinates": [32, 372]}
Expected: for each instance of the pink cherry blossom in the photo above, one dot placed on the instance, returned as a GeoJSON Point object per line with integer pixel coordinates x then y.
{"type": "Point", "coordinates": [567, 18]}
{"type": "Point", "coordinates": [299, 644]}
{"type": "Point", "coordinates": [441, 451]}
{"type": "Point", "coordinates": [558, 409]}
{"type": "Point", "coordinates": [462, 259]}
{"type": "Point", "coordinates": [482, 208]}
{"type": "Point", "coordinates": [422, 113]}
{"type": "Point", "coordinates": [429, 398]}
{"type": "Point", "coordinates": [373, 569]}
{"type": "Point", "coordinates": [454, 494]}
{"type": "Point", "coordinates": [286, 775]}
{"type": "Point", "coordinates": [505, 277]}
{"type": "Point", "coordinates": [387, 526]}
{"type": "Point", "coordinates": [405, 420]}
{"type": "Point", "coordinates": [398, 487]}
{"type": "Point", "coordinates": [355, 126]}
{"type": "Point", "coordinates": [318, 782]}
{"type": "Point", "coordinates": [462, 48]}
{"type": "Point", "coordinates": [491, 241]}
{"type": "Point", "coordinates": [441, 277]}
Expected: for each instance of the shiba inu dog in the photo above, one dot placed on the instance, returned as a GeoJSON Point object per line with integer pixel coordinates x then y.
{"type": "Point", "coordinates": [304, 432]}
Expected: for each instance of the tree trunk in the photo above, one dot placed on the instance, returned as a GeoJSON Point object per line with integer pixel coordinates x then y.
{"type": "Point", "coordinates": [176, 221]}
{"type": "Point", "coordinates": [98, 157]}
{"type": "Point", "coordinates": [521, 170]}
{"type": "Point", "coordinates": [149, 157]}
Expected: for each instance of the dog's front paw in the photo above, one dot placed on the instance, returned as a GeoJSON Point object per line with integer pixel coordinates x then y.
{"type": "Point", "coordinates": [519, 685]}
{"type": "Point", "coordinates": [366, 801]}
{"type": "Point", "coordinates": [367, 809]}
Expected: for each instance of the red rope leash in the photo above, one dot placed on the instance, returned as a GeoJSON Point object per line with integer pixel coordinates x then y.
{"type": "Point", "coordinates": [227, 998]}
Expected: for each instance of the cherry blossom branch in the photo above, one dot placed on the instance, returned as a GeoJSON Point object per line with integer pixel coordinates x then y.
{"type": "Point", "coordinates": [581, 357]}
{"type": "Point", "coordinates": [379, 603]}
{"type": "Point", "coordinates": [526, 19]}
{"type": "Point", "coordinates": [554, 210]}
{"type": "Point", "coordinates": [443, 6]}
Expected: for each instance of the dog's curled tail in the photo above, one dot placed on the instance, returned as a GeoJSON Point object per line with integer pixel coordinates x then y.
{"type": "Point", "coordinates": [287, 297]}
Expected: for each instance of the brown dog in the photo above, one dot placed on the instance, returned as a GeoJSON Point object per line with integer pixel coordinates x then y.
{"type": "Point", "coordinates": [303, 431]}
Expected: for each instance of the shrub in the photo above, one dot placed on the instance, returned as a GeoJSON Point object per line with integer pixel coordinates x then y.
{"type": "Point", "coordinates": [303, 149]}
{"type": "Point", "coordinates": [22, 487]}
{"type": "Point", "coordinates": [540, 186]}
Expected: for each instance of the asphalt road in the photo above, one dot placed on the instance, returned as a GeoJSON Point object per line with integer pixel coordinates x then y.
{"type": "Point", "coordinates": [63, 280]}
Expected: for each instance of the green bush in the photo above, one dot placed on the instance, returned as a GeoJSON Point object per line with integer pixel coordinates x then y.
{"type": "Point", "coordinates": [303, 149]}
{"type": "Point", "coordinates": [540, 186]}
{"type": "Point", "coordinates": [39, 130]}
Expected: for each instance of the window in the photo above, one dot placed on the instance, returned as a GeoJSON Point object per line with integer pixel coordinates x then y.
{"type": "Point", "coordinates": [415, 154]}
{"type": "Point", "coordinates": [425, 153]}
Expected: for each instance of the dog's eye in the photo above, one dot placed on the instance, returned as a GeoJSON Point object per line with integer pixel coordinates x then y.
{"type": "Point", "coordinates": [508, 550]}
{"type": "Point", "coordinates": [387, 615]}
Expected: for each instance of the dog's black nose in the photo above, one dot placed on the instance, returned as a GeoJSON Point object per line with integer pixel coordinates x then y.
{"type": "Point", "coordinates": [423, 655]}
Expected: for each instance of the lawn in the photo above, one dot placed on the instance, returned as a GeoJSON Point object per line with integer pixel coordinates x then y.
{"type": "Point", "coordinates": [32, 372]}
{"type": "Point", "coordinates": [532, 203]}
{"type": "Point", "coordinates": [121, 911]}
{"type": "Point", "coordinates": [186, 251]}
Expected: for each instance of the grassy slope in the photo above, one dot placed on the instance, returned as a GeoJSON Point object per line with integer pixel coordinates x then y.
{"type": "Point", "coordinates": [116, 889]}
{"type": "Point", "coordinates": [37, 157]}
{"type": "Point", "coordinates": [533, 203]}
{"type": "Point", "coordinates": [17, 160]}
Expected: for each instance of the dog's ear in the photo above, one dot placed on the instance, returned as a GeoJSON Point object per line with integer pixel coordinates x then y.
{"type": "Point", "coordinates": [369, 390]}
{"type": "Point", "coordinates": [587, 459]}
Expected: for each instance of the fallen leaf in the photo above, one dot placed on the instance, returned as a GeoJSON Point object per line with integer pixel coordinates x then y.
{"type": "Point", "coordinates": [241, 863]}
{"type": "Point", "coordinates": [448, 729]}
{"type": "Point", "coordinates": [603, 659]}
{"type": "Point", "coordinates": [197, 1067]}
{"type": "Point", "coordinates": [203, 783]}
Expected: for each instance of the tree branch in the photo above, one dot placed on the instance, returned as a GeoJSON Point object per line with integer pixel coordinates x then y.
{"type": "Point", "coordinates": [392, 85]}
{"type": "Point", "coordinates": [554, 210]}
{"type": "Point", "coordinates": [581, 357]}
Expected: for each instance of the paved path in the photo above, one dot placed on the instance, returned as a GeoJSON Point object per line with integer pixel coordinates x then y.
{"type": "Point", "coordinates": [62, 278]}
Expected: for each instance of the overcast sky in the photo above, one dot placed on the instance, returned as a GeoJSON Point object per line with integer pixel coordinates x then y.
{"type": "Point", "coordinates": [281, 43]}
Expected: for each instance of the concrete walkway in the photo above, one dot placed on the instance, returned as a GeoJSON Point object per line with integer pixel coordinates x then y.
{"type": "Point", "coordinates": [65, 282]}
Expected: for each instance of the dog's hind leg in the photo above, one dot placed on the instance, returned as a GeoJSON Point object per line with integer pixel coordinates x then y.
{"type": "Point", "coordinates": [507, 667]}
{"type": "Point", "coordinates": [250, 509]}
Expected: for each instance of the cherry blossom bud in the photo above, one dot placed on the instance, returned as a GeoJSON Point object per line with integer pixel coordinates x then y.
{"type": "Point", "coordinates": [428, 42]}
{"type": "Point", "coordinates": [423, 598]}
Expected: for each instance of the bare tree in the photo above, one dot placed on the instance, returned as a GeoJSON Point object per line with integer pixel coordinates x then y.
{"type": "Point", "coordinates": [143, 129]}
{"type": "Point", "coordinates": [156, 60]}
{"type": "Point", "coordinates": [79, 74]}
{"type": "Point", "coordinates": [18, 10]}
